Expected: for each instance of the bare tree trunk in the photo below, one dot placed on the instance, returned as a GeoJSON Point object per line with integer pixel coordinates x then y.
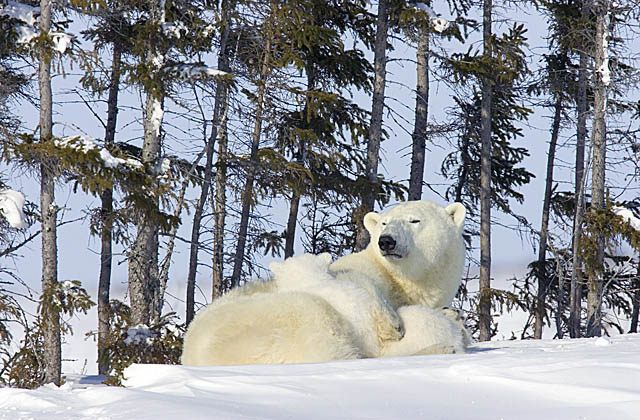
{"type": "Point", "coordinates": [253, 159]}
{"type": "Point", "coordinates": [594, 285]}
{"type": "Point", "coordinates": [219, 209]}
{"type": "Point", "coordinates": [295, 198]}
{"type": "Point", "coordinates": [50, 317]}
{"type": "Point", "coordinates": [543, 281]}
{"type": "Point", "coordinates": [106, 254]}
{"type": "Point", "coordinates": [484, 304]}
{"type": "Point", "coordinates": [635, 309]}
{"type": "Point", "coordinates": [220, 103]}
{"type": "Point", "coordinates": [375, 130]}
{"type": "Point", "coordinates": [419, 137]}
{"type": "Point", "coordinates": [575, 309]}
{"type": "Point", "coordinates": [143, 258]}
{"type": "Point", "coordinates": [292, 220]}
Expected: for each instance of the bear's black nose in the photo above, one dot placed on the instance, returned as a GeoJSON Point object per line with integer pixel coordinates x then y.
{"type": "Point", "coordinates": [386, 243]}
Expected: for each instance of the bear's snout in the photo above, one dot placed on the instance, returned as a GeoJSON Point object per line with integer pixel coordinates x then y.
{"type": "Point", "coordinates": [386, 243]}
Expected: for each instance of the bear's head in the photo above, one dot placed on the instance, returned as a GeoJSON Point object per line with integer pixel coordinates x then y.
{"type": "Point", "coordinates": [415, 236]}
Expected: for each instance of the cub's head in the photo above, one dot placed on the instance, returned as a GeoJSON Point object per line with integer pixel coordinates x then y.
{"type": "Point", "coordinates": [416, 234]}
{"type": "Point", "coordinates": [303, 267]}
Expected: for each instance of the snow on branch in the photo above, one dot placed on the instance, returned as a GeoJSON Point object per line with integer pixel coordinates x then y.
{"type": "Point", "coordinates": [174, 29]}
{"type": "Point", "coordinates": [11, 204]}
{"type": "Point", "coordinates": [439, 24]}
{"type": "Point", "coordinates": [86, 144]}
{"type": "Point", "coordinates": [28, 30]}
{"type": "Point", "coordinates": [628, 216]}
{"type": "Point", "coordinates": [189, 72]}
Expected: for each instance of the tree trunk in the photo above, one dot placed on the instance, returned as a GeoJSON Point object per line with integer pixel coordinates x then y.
{"type": "Point", "coordinates": [543, 281]}
{"type": "Point", "coordinates": [635, 308]}
{"type": "Point", "coordinates": [253, 159]}
{"type": "Point", "coordinates": [419, 137]}
{"type": "Point", "coordinates": [375, 130]}
{"type": "Point", "coordinates": [594, 285]}
{"type": "Point", "coordinates": [484, 304]}
{"type": "Point", "coordinates": [106, 254]}
{"type": "Point", "coordinates": [143, 257]}
{"type": "Point", "coordinates": [295, 198]}
{"type": "Point", "coordinates": [575, 309]}
{"type": "Point", "coordinates": [220, 103]}
{"type": "Point", "coordinates": [50, 317]}
{"type": "Point", "coordinates": [219, 209]}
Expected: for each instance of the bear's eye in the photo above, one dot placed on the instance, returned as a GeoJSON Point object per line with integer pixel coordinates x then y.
{"type": "Point", "coordinates": [384, 223]}
{"type": "Point", "coordinates": [414, 221]}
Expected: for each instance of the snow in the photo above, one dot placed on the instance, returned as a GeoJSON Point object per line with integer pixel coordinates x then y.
{"type": "Point", "coordinates": [156, 116]}
{"type": "Point", "coordinates": [439, 24]}
{"type": "Point", "coordinates": [525, 380]}
{"type": "Point", "coordinates": [195, 72]}
{"type": "Point", "coordinates": [20, 11]}
{"type": "Point", "coordinates": [628, 216]}
{"type": "Point", "coordinates": [139, 334]}
{"type": "Point", "coordinates": [11, 203]}
{"type": "Point", "coordinates": [605, 73]}
{"type": "Point", "coordinates": [26, 14]}
{"type": "Point", "coordinates": [28, 31]}
{"type": "Point", "coordinates": [173, 29]}
{"type": "Point", "coordinates": [426, 8]}
{"type": "Point", "coordinates": [61, 41]}
{"type": "Point", "coordinates": [86, 144]}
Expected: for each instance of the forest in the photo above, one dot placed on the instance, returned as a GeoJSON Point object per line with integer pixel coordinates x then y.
{"type": "Point", "coordinates": [202, 116]}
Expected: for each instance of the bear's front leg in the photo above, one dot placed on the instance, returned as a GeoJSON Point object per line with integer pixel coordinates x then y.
{"type": "Point", "coordinates": [389, 325]}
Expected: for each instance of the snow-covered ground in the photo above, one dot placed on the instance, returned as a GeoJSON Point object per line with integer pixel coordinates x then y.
{"type": "Point", "coordinates": [550, 379]}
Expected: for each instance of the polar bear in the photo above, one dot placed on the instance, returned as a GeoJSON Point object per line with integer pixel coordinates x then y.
{"type": "Point", "coordinates": [415, 257]}
{"type": "Point", "coordinates": [428, 331]}
{"type": "Point", "coordinates": [268, 328]}
{"type": "Point", "coordinates": [369, 314]}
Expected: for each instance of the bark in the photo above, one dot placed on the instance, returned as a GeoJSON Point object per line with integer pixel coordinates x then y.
{"type": "Point", "coordinates": [220, 103]}
{"type": "Point", "coordinates": [295, 197]}
{"type": "Point", "coordinates": [419, 136]}
{"type": "Point", "coordinates": [484, 304]}
{"type": "Point", "coordinates": [375, 129]}
{"type": "Point", "coordinates": [219, 209]}
{"type": "Point", "coordinates": [543, 281]}
{"type": "Point", "coordinates": [106, 254]}
{"type": "Point", "coordinates": [143, 257]}
{"type": "Point", "coordinates": [50, 317]}
{"type": "Point", "coordinates": [635, 308]}
{"type": "Point", "coordinates": [595, 281]}
{"type": "Point", "coordinates": [581, 135]}
{"type": "Point", "coordinates": [247, 193]}
{"type": "Point", "coordinates": [292, 220]}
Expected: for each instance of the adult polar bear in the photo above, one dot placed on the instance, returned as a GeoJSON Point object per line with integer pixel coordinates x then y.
{"type": "Point", "coordinates": [414, 261]}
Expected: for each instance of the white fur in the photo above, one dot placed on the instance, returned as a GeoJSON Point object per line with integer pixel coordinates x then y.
{"type": "Point", "coordinates": [371, 317]}
{"type": "Point", "coordinates": [305, 315]}
{"type": "Point", "coordinates": [428, 331]}
{"type": "Point", "coordinates": [429, 267]}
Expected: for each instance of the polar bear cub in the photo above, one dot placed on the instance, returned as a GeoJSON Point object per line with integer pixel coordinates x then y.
{"type": "Point", "coordinates": [368, 312]}
{"type": "Point", "coordinates": [428, 331]}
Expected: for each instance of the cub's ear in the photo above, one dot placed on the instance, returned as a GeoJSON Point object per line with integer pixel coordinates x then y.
{"type": "Point", "coordinates": [276, 266]}
{"type": "Point", "coordinates": [371, 220]}
{"type": "Point", "coordinates": [457, 213]}
{"type": "Point", "coordinates": [326, 258]}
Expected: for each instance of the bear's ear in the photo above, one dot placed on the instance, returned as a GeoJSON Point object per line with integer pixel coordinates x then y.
{"type": "Point", "coordinates": [371, 220]}
{"type": "Point", "coordinates": [457, 213]}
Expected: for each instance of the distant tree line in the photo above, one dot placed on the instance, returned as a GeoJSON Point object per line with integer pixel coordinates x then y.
{"type": "Point", "coordinates": [268, 87]}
